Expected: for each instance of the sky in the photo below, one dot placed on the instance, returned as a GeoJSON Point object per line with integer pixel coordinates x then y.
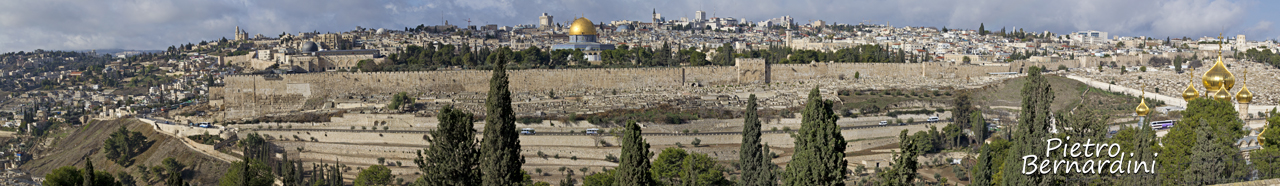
{"type": "Point", "coordinates": [26, 25]}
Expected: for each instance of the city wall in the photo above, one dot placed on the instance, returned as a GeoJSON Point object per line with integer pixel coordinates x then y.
{"type": "Point", "coordinates": [248, 96]}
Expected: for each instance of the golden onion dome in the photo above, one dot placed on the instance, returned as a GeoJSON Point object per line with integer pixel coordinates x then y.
{"type": "Point", "coordinates": [1222, 94]}
{"type": "Point", "coordinates": [1142, 109]}
{"type": "Point", "coordinates": [1244, 96]}
{"type": "Point", "coordinates": [1190, 93]}
{"type": "Point", "coordinates": [582, 26]}
{"type": "Point", "coordinates": [1218, 75]}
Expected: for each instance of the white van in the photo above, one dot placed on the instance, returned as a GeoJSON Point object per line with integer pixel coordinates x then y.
{"type": "Point", "coordinates": [933, 119]}
{"type": "Point", "coordinates": [527, 131]}
{"type": "Point", "coordinates": [883, 123]}
{"type": "Point", "coordinates": [593, 131]}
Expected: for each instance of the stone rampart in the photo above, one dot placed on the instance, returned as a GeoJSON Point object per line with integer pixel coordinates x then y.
{"type": "Point", "coordinates": [253, 95]}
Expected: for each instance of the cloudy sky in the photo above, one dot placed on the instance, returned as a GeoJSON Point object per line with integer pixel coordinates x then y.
{"type": "Point", "coordinates": [27, 25]}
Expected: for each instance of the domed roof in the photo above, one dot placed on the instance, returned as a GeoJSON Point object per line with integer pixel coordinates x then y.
{"type": "Point", "coordinates": [309, 46]}
{"type": "Point", "coordinates": [1244, 95]}
{"type": "Point", "coordinates": [582, 26]}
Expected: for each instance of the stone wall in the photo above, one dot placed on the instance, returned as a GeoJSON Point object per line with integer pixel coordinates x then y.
{"type": "Point", "coordinates": [251, 95]}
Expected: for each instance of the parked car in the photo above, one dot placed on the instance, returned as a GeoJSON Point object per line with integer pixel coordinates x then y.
{"type": "Point", "coordinates": [883, 123]}
{"type": "Point", "coordinates": [527, 131]}
{"type": "Point", "coordinates": [933, 119]}
{"type": "Point", "coordinates": [593, 131]}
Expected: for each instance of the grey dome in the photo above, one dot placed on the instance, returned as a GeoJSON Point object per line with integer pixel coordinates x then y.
{"type": "Point", "coordinates": [309, 46]}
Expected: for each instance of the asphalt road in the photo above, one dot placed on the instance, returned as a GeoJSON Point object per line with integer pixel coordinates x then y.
{"type": "Point", "coordinates": [576, 133]}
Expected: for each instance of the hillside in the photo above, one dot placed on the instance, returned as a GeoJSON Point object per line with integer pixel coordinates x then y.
{"type": "Point", "coordinates": [1005, 99]}
{"type": "Point", "coordinates": [88, 140]}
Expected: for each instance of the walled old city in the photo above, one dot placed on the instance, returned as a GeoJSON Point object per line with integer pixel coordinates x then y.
{"type": "Point", "coordinates": [325, 108]}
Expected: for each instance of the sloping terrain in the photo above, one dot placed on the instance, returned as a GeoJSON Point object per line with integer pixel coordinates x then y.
{"type": "Point", "coordinates": [87, 140]}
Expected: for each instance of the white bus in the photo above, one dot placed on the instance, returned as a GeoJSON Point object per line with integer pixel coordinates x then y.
{"type": "Point", "coordinates": [1162, 124]}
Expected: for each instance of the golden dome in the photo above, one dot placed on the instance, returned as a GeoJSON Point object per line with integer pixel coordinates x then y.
{"type": "Point", "coordinates": [1142, 109]}
{"type": "Point", "coordinates": [1244, 96]}
{"type": "Point", "coordinates": [582, 26]}
{"type": "Point", "coordinates": [1222, 94]}
{"type": "Point", "coordinates": [1218, 76]}
{"type": "Point", "coordinates": [1190, 93]}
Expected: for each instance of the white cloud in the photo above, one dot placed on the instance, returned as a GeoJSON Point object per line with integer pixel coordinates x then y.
{"type": "Point", "coordinates": [157, 24]}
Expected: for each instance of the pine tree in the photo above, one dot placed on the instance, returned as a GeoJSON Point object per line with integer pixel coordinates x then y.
{"type": "Point", "coordinates": [633, 170]}
{"type": "Point", "coordinates": [1205, 166]}
{"type": "Point", "coordinates": [1033, 127]}
{"type": "Point", "coordinates": [819, 150]}
{"type": "Point", "coordinates": [451, 158]}
{"type": "Point", "coordinates": [750, 159]}
{"type": "Point", "coordinates": [1220, 117]}
{"type": "Point", "coordinates": [500, 150]}
{"type": "Point", "coordinates": [1267, 159]}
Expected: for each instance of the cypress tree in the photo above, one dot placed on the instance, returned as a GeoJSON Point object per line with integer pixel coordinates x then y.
{"type": "Point", "coordinates": [451, 158]}
{"type": "Point", "coordinates": [1033, 127]}
{"type": "Point", "coordinates": [1144, 148]}
{"type": "Point", "coordinates": [903, 171]}
{"type": "Point", "coordinates": [819, 150]}
{"type": "Point", "coordinates": [750, 158]}
{"type": "Point", "coordinates": [982, 29]}
{"type": "Point", "coordinates": [768, 171]}
{"type": "Point", "coordinates": [500, 150]}
{"type": "Point", "coordinates": [961, 108]}
{"type": "Point", "coordinates": [981, 175]}
{"type": "Point", "coordinates": [978, 125]}
{"type": "Point", "coordinates": [88, 172]}
{"type": "Point", "coordinates": [633, 170]}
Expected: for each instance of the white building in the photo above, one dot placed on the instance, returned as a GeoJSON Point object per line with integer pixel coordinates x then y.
{"type": "Point", "coordinates": [1089, 37]}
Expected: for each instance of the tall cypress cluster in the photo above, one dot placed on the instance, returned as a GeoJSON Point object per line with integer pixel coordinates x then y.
{"type": "Point", "coordinates": [1033, 127]}
{"type": "Point", "coordinates": [750, 158]}
{"type": "Point", "coordinates": [978, 125]}
{"type": "Point", "coordinates": [633, 170]}
{"type": "Point", "coordinates": [451, 158]}
{"type": "Point", "coordinates": [982, 172]}
{"type": "Point", "coordinates": [500, 150]}
{"type": "Point", "coordinates": [819, 150]}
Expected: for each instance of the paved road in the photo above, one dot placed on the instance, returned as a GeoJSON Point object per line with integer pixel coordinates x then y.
{"type": "Point", "coordinates": [576, 133]}
{"type": "Point", "coordinates": [203, 149]}
{"type": "Point", "coordinates": [1253, 108]}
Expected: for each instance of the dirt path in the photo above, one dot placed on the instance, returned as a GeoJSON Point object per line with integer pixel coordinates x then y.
{"type": "Point", "coordinates": [202, 148]}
